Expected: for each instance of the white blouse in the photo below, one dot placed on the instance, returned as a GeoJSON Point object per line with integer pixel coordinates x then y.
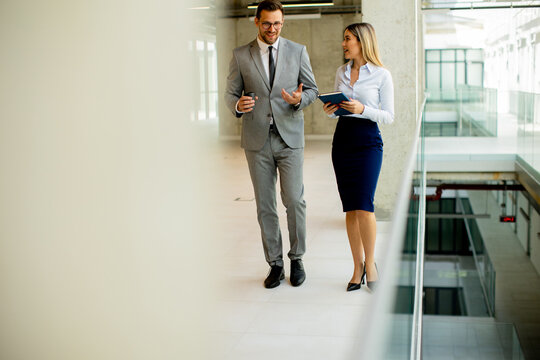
{"type": "Point", "coordinates": [374, 89]}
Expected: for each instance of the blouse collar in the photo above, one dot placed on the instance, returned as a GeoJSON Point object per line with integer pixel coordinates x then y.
{"type": "Point", "coordinates": [368, 66]}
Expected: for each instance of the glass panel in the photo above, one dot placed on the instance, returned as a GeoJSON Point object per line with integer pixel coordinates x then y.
{"type": "Point", "coordinates": [203, 75]}
{"type": "Point", "coordinates": [484, 266]}
{"type": "Point", "coordinates": [432, 236]}
{"type": "Point", "coordinates": [458, 337]}
{"type": "Point", "coordinates": [449, 129]}
{"type": "Point", "coordinates": [448, 75]}
{"type": "Point", "coordinates": [433, 55]}
{"type": "Point", "coordinates": [448, 55]}
{"type": "Point", "coordinates": [475, 55]}
{"type": "Point", "coordinates": [535, 161]}
{"type": "Point", "coordinates": [212, 67]}
{"type": "Point", "coordinates": [399, 324]}
{"type": "Point", "coordinates": [460, 55]}
{"type": "Point", "coordinates": [202, 108]}
{"type": "Point", "coordinates": [447, 233]}
{"type": "Point", "coordinates": [528, 118]}
{"type": "Point", "coordinates": [460, 74]}
{"type": "Point", "coordinates": [433, 73]}
{"type": "Point", "coordinates": [205, 53]}
{"type": "Point", "coordinates": [475, 74]}
{"type": "Point", "coordinates": [213, 103]}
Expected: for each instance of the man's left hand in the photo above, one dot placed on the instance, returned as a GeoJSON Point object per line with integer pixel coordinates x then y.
{"type": "Point", "coordinates": [295, 97]}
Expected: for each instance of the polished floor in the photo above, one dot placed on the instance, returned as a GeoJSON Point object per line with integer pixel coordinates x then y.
{"type": "Point", "coordinates": [319, 319]}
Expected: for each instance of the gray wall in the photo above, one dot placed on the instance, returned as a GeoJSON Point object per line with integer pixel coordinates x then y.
{"type": "Point", "coordinates": [395, 24]}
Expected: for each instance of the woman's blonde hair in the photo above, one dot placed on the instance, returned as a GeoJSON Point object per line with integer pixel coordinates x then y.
{"type": "Point", "coordinates": [365, 33]}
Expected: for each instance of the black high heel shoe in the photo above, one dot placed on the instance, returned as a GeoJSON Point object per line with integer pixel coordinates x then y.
{"type": "Point", "coordinates": [356, 286]}
{"type": "Point", "coordinates": [373, 284]}
{"type": "Point", "coordinates": [363, 277]}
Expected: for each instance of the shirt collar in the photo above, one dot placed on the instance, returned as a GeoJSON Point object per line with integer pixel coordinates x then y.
{"type": "Point", "coordinates": [264, 46]}
{"type": "Point", "coordinates": [369, 66]}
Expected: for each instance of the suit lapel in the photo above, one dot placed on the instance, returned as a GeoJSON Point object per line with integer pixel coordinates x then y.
{"type": "Point", "coordinates": [282, 59]}
{"type": "Point", "coordinates": [255, 52]}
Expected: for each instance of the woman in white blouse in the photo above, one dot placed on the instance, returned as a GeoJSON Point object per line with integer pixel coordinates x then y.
{"type": "Point", "coordinates": [357, 145]}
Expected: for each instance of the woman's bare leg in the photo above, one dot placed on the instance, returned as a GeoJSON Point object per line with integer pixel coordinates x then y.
{"type": "Point", "coordinates": [355, 241]}
{"type": "Point", "coordinates": [368, 232]}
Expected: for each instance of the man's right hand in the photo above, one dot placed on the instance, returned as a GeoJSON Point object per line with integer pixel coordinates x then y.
{"type": "Point", "coordinates": [246, 104]}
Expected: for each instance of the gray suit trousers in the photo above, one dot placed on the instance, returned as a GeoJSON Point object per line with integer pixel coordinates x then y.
{"type": "Point", "coordinates": [264, 165]}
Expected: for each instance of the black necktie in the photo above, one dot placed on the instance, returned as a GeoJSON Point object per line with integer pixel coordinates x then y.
{"type": "Point", "coordinates": [272, 67]}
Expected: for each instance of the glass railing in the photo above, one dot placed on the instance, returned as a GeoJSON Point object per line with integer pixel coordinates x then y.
{"type": "Point", "coordinates": [453, 291]}
{"type": "Point", "coordinates": [484, 266]}
{"type": "Point", "coordinates": [465, 111]}
{"type": "Point", "coordinates": [396, 334]}
{"type": "Point", "coordinates": [466, 338]}
{"type": "Point", "coordinates": [396, 328]}
{"type": "Point", "coordinates": [526, 107]}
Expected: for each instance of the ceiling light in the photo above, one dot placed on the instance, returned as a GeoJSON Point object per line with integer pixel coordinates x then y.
{"type": "Point", "coordinates": [298, 4]}
{"type": "Point", "coordinates": [297, 17]}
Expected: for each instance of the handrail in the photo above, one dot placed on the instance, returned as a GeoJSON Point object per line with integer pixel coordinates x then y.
{"type": "Point", "coordinates": [481, 276]}
{"type": "Point", "coordinates": [416, 333]}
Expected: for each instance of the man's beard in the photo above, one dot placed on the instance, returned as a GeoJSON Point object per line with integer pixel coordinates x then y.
{"type": "Point", "coordinates": [265, 38]}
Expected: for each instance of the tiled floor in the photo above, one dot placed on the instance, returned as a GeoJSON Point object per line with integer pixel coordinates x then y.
{"type": "Point", "coordinates": [465, 338]}
{"type": "Point", "coordinates": [318, 320]}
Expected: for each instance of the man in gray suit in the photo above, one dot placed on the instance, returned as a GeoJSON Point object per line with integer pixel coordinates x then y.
{"type": "Point", "coordinates": [270, 81]}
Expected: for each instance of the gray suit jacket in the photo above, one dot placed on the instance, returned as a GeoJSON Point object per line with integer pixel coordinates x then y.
{"type": "Point", "coordinates": [246, 74]}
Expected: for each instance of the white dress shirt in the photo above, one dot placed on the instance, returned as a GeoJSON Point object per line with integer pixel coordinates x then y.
{"type": "Point", "coordinates": [374, 89]}
{"type": "Point", "coordinates": [265, 52]}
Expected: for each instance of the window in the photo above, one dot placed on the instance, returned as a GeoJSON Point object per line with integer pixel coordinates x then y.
{"type": "Point", "coordinates": [205, 53]}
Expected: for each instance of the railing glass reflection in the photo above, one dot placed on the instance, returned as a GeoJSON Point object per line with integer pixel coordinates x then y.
{"type": "Point", "coordinates": [464, 111]}
{"type": "Point", "coordinates": [526, 106]}
{"type": "Point", "coordinates": [397, 315]}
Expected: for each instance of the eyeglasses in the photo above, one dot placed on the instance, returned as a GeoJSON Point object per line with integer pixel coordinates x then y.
{"type": "Point", "coordinates": [277, 25]}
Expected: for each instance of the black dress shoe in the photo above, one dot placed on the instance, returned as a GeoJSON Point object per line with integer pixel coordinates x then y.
{"type": "Point", "coordinates": [274, 277]}
{"type": "Point", "coordinates": [353, 286]}
{"type": "Point", "coordinates": [356, 286]}
{"type": "Point", "coordinates": [298, 275]}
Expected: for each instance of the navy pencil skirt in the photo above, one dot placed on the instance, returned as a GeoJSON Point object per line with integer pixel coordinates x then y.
{"type": "Point", "coordinates": [357, 151]}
